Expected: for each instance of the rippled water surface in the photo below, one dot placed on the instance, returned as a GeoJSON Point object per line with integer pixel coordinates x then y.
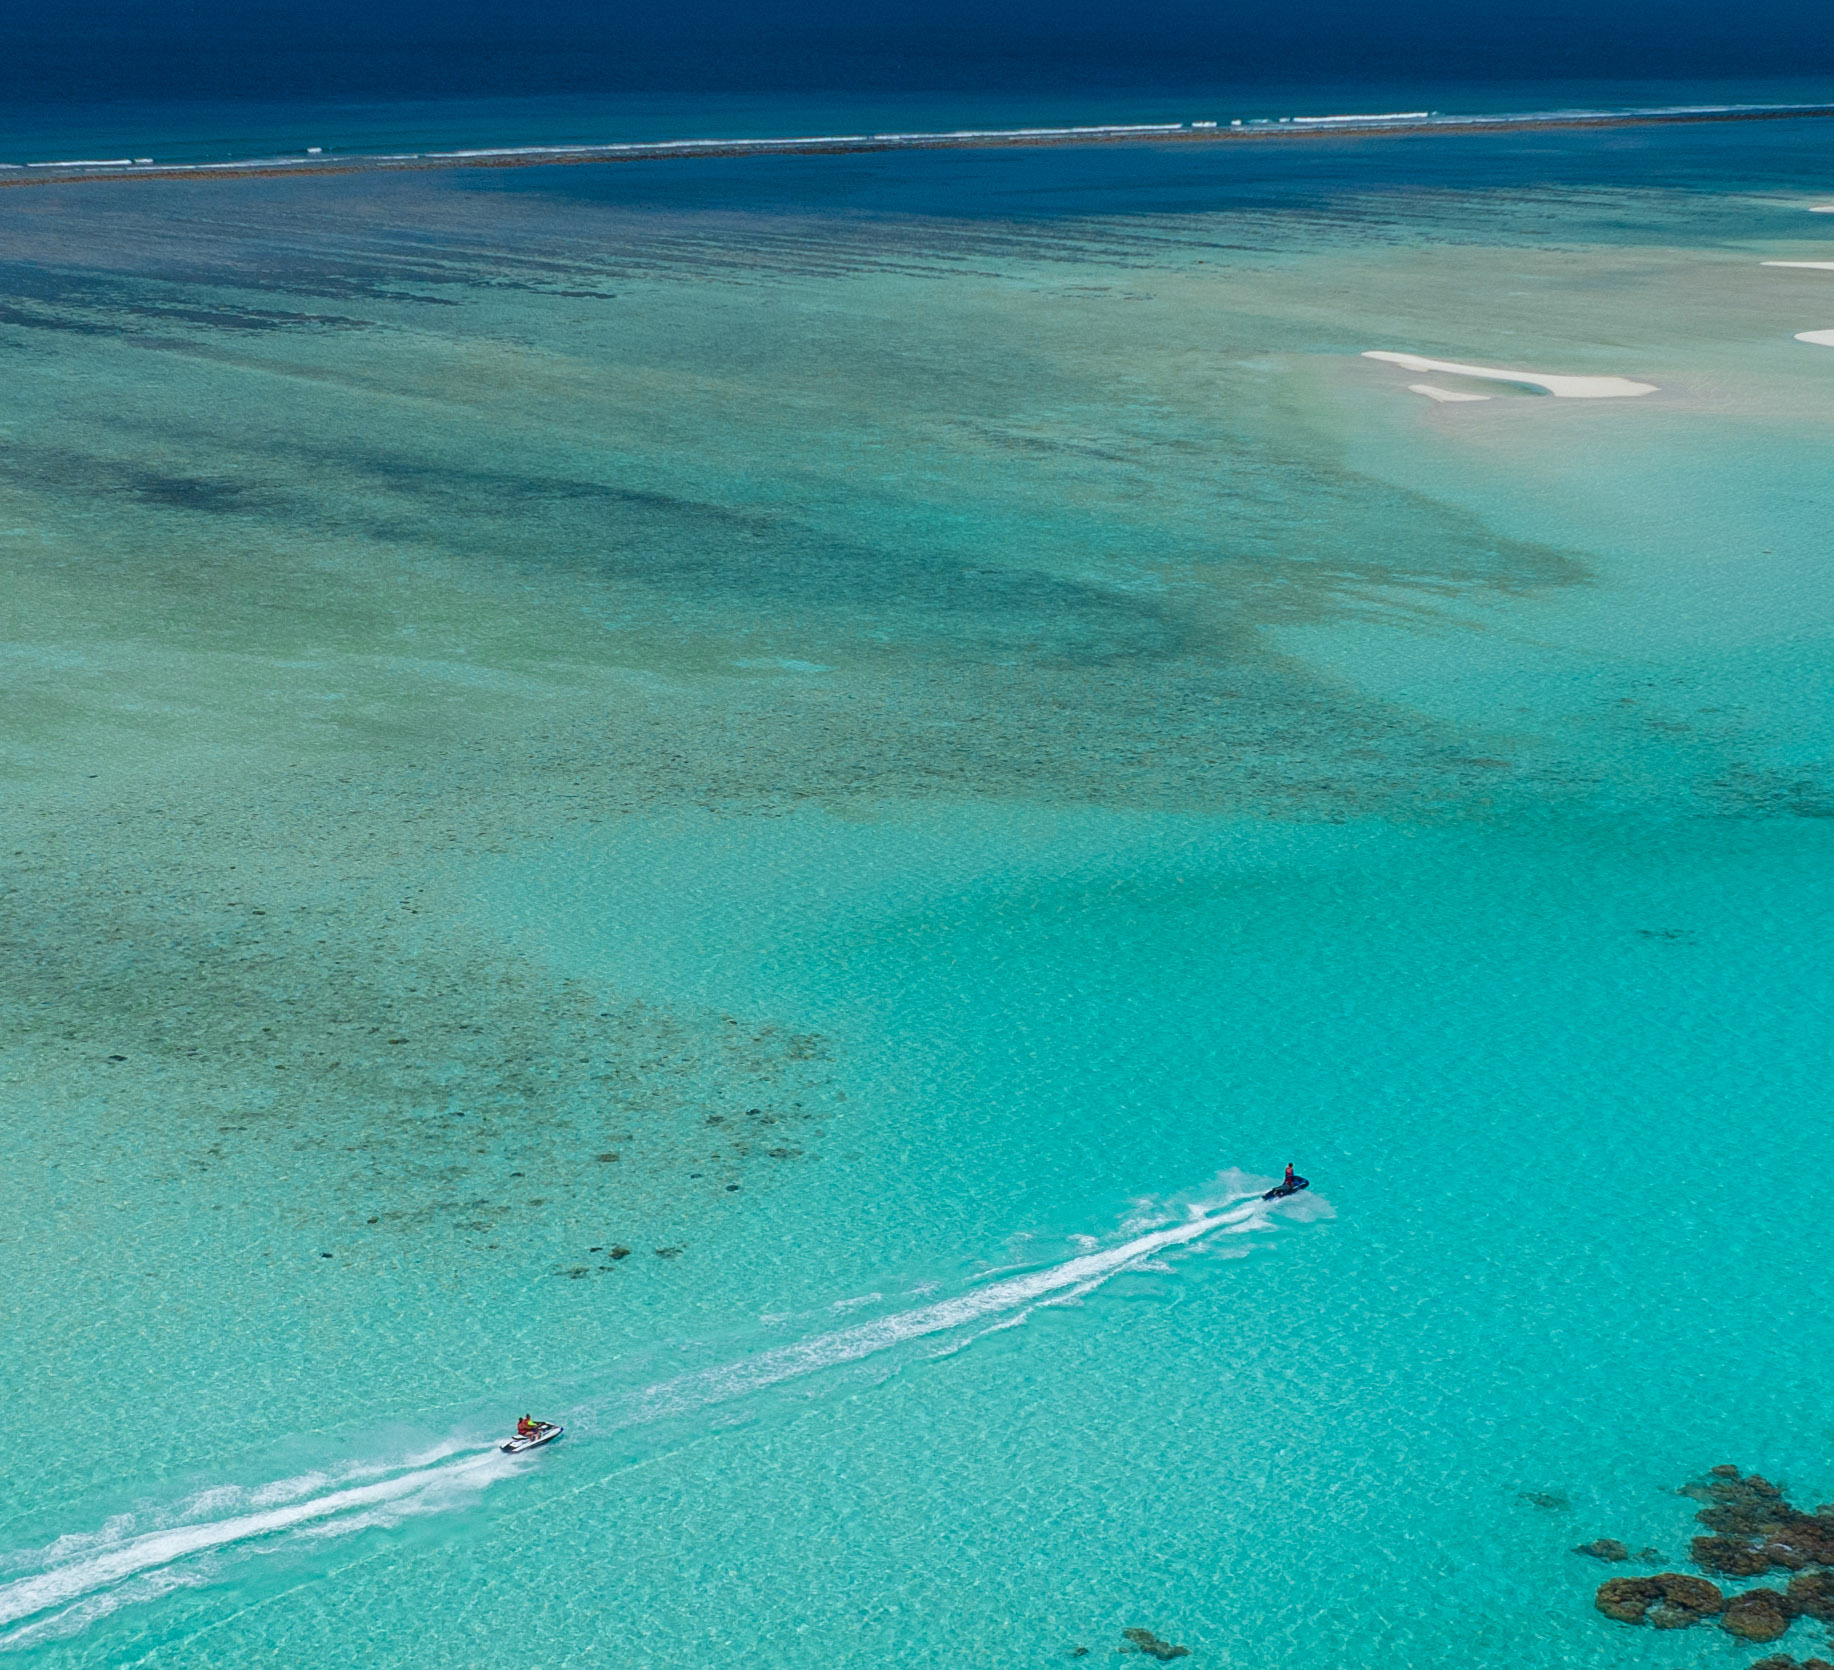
{"type": "Point", "coordinates": [745, 804]}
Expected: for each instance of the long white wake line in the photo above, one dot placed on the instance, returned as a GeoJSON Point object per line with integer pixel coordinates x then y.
{"type": "Point", "coordinates": [70, 1580]}
{"type": "Point", "coordinates": [848, 1345]}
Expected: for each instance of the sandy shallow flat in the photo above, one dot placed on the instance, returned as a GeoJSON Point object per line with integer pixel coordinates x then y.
{"type": "Point", "coordinates": [1564, 388]}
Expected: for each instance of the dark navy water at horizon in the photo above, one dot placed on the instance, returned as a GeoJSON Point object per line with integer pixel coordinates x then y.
{"type": "Point", "coordinates": [746, 803]}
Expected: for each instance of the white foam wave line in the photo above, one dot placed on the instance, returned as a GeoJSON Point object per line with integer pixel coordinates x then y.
{"type": "Point", "coordinates": [1609, 112]}
{"type": "Point", "coordinates": [1401, 119]}
{"type": "Point", "coordinates": [849, 1345]}
{"type": "Point", "coordinates": [1391, 116]}
{"type": "Point", "coordinates": [664, 147]}
{"type": "Point", "coordinates": [76, 1579]}
{"type": "Point", "coordinates": [658, 147]}
{"type": "Point", "coordinates": [66, 1583]}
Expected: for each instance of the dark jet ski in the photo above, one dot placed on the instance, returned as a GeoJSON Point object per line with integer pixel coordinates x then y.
{"type": "Point", "coordinates": [1291, 1187]}
{"type": "Point", "coordinates": [545, 1433]}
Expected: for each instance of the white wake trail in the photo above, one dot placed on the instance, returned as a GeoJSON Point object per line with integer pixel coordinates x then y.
{"type": "Point", "coordinates": [65, 1583]}
{"type": "Point", "coordinates": [75, 1570]}
{"type": "Point", "coordinates": [848, 1345]}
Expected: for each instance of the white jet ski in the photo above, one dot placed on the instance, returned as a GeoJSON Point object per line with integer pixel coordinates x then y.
{"type": "Point", "coordinates": [545, 1433]}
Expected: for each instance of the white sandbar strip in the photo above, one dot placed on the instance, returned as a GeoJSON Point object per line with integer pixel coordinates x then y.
{"type": "Point", "coordinates": [1442, 394]}
{"type": "Point", "coordinates": [1564, 388]}
{"type": "Point", "coordinates": [1813, 266]}
{"type": "Point", "coordinates": [1821, 339]}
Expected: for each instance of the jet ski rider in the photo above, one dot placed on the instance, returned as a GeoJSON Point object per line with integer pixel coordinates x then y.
{"type": "Point", "coordinates": [525, 1428]}
{"type": "Point", "coordinates": [1286, 1182]}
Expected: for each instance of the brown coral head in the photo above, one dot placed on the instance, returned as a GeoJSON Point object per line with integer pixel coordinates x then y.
{"type": "Point", "coordinates": [1682, 1601]}
{"type": "Point", "coordinates": [1690, 1594]}
{"type": "Point", "coordinates": [1730, 1555]}
{"type": "Point", "coordinates": [1785, 1554]}
{"type": "Point", "coordinates": [1812, 1594]}
{"type": "Point", "coordinates": [1741, 1507]}
{"type": "Point", "coordinates": [1756, 1615]}
{"type": "Point", "coordinates": [1627, 1598]}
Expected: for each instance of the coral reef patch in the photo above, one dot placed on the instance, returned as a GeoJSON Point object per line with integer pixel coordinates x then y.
{"type": "Point", "coordinates": [1812, 1594]}
{"type": "Point", "coordinates": [1683, 1600]}
{"type": "Point", "coordinates": [1753, 1530]}
{"type": "Point", "coordinates": [1756, 1615]}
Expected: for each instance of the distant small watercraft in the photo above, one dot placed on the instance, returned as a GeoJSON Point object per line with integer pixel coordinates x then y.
{"type": "Point", "coordinates": [1291, 1186]}
{"type": "Point", "coordinates": [545, 1433]}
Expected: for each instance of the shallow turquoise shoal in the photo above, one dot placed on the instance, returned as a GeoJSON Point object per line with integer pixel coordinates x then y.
{"type": "Point", "coordinates": [746, 806]}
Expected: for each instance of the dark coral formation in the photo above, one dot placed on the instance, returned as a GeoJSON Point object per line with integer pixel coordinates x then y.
{"type": "Point", "coordinates": [1729, 1556]}
{"type": "Point", "coordinates": [1756, 1615]}
{"type": "Point", "coordinates": [1752, 1512]}
{"type": "Point", "coordinates": [1678, 1600]}
{"type": "Point", "coordinates": [1754, 1530]}
{"type": "Point", "coordinates": [1627, 1599]}
{"type": "Point", "coordinates": [1605, 1548]}
{"type": "Point", "coordinates": [1146, 1642]}
{"type": "Point", "coordinates": [1782, 1661]}
{"type": "Point", "coordinates": [1812, 1594]}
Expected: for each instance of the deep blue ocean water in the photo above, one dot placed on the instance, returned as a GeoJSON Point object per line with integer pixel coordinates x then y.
{"type": "Point", "coordinates": [747, 802]}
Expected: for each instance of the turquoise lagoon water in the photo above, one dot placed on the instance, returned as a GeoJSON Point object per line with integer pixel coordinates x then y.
{"type": "Point", "coordinates": [894, 735]}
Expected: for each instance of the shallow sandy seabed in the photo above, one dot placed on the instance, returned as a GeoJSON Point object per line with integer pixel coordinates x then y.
{"type": "Point", "coordinates": [839, 731]}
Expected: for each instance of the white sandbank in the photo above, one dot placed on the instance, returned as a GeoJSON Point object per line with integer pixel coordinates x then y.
{"type": "Point", "coordinates": [1564, 388]}
{"type": "Point", "coordinates": [1814, 266]}
{"type": "Point", "coordinates": [1442, 394]}
{"type": "Point", "coordinates": [1821, 339]}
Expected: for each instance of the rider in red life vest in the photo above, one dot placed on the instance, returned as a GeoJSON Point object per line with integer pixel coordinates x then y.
{"type": "Point", "coordinates": [1286, 1182]}
{"type": "Point", "coordinates": [525, 1428]}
